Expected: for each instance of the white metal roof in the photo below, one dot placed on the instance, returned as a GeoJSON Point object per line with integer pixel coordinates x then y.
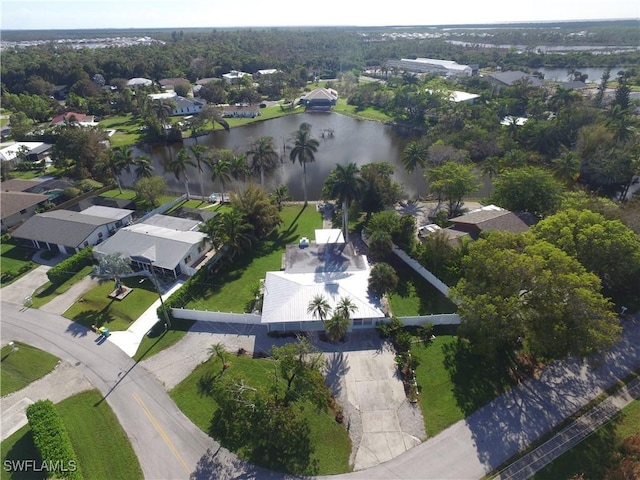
{"type": "Point", "coordinates": [329, 235]}
{"type": "Point", "coordinates": [107, 212]}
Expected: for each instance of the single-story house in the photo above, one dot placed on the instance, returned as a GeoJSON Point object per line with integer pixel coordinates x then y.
{"type": "Point", "coordinates": [333, 270]}
{"type": "Point", "coordinates": [79, 118]}
{"type": "Point", "coordinates": [509, 78]}
{"type": "Point", "coordinates": [267, 71]}
{"type": "Point", "coordinates": [320, 99]}
{"type": "Point", "coordinates": [241, 111]}
{"type": "Point", "coordinates": [25, 151]}
{"type": "Point", "coordinates": [183, 106]}
{"type": "Point", "coordinates": [175, 246]}
{"type": "Point", "coordinates": [16, 207]}
{"type": "Point", "coordinates": [234, 76]}
{"type": "Point", "coordinates": [169, 83]}
{"type": "Point", "coordinates": [446, 68]}
{"type": "Point", "coordinates": [68, 232]}
{"type": "Point", "coordinates": [139, 82]}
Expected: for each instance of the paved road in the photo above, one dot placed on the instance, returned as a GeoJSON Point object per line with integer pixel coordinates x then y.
{"type": "Point", "coordinates": [167, 444]}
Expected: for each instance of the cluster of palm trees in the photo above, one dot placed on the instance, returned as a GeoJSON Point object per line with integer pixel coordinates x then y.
{"type": "Point", "coordinates": [121, 159]}
{"type": "Point", "coordinates": [336, 325]}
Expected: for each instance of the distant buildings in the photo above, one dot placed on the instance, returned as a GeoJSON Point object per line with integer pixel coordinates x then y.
{"type": "Point", "coordinates": [320, 99]}
{"type": "Point", "coordinates": [445, 68]}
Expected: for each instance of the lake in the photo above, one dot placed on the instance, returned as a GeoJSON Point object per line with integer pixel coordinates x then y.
{"type": "Point", "coordinates": [353, 140]}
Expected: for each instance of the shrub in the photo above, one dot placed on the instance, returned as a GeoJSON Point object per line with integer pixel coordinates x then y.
{"type": "Point", "coordinates": [52, 441]}
{"type": "Point", "coordinates": [70, 266]}
{"type": "Point", "coordinates": [71, 193]}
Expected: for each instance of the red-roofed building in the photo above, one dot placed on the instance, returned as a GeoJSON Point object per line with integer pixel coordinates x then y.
{"type": "Point", "coordinates": [80, 118]}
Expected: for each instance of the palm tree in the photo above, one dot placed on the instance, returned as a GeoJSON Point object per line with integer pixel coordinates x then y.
{"type": "Point", "coordinates": [179, 167]}
{"type": "Point", "coordinates": [346, 307]}
{"type": "Point", "coordinates": [345, 185]}
{"type": "Point", "coordinates": [221, 170]}
{"type": "Point", "coordinates": [239, 167]}
{"type": "Point", "coordinates": [319, 307]}
{"type": "Point", "coordinates": [304, 149]}
{"type": "Point", "coordinates": [144, 167]}
{"type": "Point", "coordinates": [280, 194]}
{"type": "Point", "coordinates": [414, 155]}
{"type": "Point", "coordinates": [218, 350]}
{"type": "Point", "coordinates": [264, 156]}
{"type": "Point", "coordinates": [112, 267]}
{"type": "Point", "coordinates": [567, 167]}
{"type": "Point", "coordinates": [229, 231]}
{"type": "Point", "coordinates": [336, 327]}
{"type": "Point", "coordinates": [199, 155]}
{"type": "Point", "coordinates": [119, 160]}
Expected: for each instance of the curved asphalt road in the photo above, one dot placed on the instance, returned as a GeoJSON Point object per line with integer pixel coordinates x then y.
{"type": "Point", "coordinates": [170, 446]}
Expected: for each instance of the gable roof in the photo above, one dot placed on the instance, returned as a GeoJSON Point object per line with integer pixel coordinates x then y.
{"type": "Point", "coordinates": [512, 76]}
{"type": "Point", "coordinates": [109, 213]}
{"type": "Point", "coordinates": [18, 185]}
{"type": "Point", "coordinates": [492, 219]}
{"type": "Point", "coordinates": [61, 227]}
{"type": "Point", "coordinates": [14, 202]}
{"type": "Point", "coordinates": [322, 94]}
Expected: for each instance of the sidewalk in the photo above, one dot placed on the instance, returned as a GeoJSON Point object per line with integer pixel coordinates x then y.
{"type": "Point", "coordinates": [129, 339]}
{"type": "Point", "coordinates": [536, 460]}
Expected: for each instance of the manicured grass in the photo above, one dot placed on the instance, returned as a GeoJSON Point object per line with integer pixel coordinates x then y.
{"type": "Point", "coordinates": [414, 295]}
{"type": "Point", "coordinates": [96, 308]}
{"type": "Point", "coordinates": [234, 286]}
{"type": "Point", "coordinates": [128, 129]}
{"type": "Point", "coordinates": [21, 368]}
{"type": "Point", "coordinates": [158, 340]}
{"type": "Point", "coordinates": [115, 193]}
{"type": "Point", "coordinates": [14, 257]}
{"type": "Point", "coordinates": [365, 114]}
{"type": "Point", "coordinates": [599, 453]}
{"type": "Point", "coordinates": [102, 447]}
{"type": "Point", "coordinates": [48, 291]}
{"type": "Point", "coordinates": [453, 383]}
{"type": "Point", "coordinates": [330, 440]}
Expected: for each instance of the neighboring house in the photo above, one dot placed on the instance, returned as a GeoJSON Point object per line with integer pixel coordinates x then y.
{"type": "Point", "coordinates": [183, 106]}
{"type": "Point", "coordinates": [445, 68]}
{"type": "Point", "coordinates": [333, 270]}
{"type": "Point", "coordinates": [79, 118]}
{"type": "Point", "coordinates": [322, 99]}
{"type": "Point", "coordinates": [474, 223]}
{"type": "Point", "coordinates": [456, 96]}
{"type": "Point", "coordinates": [241, 111]}
{"type": "Point", "coordinates": [169, 83]}
{"type": "Point", "coordinates": [16, 207]}
{"type": "Point", "coordinates": [139, 82]}
{"type": "Point", "coordinates": [234, 76]}
{"type": "Point", "coordinates": [268, 71]}
{"type": "Point", "coordinates": [509, 78]}
{"type": "Point", "coordinates": [68, 232]}
{"type": "Point", "coordinates": [174, 245]}
{"type": "Point", "coordinates": [25, 151]}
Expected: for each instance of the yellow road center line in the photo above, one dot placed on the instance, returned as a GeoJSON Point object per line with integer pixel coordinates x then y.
{"type": "Point", "coordinates": [162, 433]}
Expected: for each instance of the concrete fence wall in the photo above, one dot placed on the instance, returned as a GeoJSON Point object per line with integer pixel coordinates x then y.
{"type": "Point", "coordinates": [441, 319]}
{"type": "Point", "coordinates": [223, 317]}
{"type": "Point", "coordinates": [423, 272]}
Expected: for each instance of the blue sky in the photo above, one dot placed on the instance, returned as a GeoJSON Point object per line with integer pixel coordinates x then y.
{"type": "Point", "coordinates": [73, 14]}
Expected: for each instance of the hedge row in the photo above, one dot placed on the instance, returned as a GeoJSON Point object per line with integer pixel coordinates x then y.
{"type": "Point", "coordinates": [52, 441]}
{"type": "Point", "coordinates": [70, 266]}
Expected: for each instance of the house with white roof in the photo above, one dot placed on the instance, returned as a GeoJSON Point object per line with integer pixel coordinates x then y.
{"type": "Point", "coordinates": [25, 151]}
{"type": "Point", "coordinates": [328, 267]}
{"type": "Point", "coordinates": [183, 106]}
{"type": "Point", "coordinates": [234, 76]}
{"type": "Point", "coordinates": [446, 68]}
{"type": "Point", "coordinates": [173, 246]}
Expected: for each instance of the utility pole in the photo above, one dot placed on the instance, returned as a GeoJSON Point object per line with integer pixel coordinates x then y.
{"type": "Point", "coordinates": [167, 322]}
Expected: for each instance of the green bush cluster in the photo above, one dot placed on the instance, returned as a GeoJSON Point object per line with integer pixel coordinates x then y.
{"type": "Point", "coordinates": [192, 288]}
{"type": "Point", "coordinates": [52, 441]}
{"type": "Point", "coordinates": [9, 275]}
{"type": "Point", "coordinates": [70, 266]}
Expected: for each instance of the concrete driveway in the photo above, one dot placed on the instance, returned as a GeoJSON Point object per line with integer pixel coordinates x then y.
{"type": "Point", "coordinates": [382, 424]}
{"type": "Point", "coordinates": [23, 287]}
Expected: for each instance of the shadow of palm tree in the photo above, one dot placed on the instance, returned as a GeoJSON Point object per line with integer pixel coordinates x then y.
{"type": "Point", "coordinates": [336, 368]}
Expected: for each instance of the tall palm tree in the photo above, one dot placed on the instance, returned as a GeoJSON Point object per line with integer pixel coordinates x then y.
{"type": "Point", "coordinates": [336, 327]}
{"type": "Point", "coordinates": [414, 155]}
{"type": "Point", "coordinates": [264, 156]}
{"type": "Point", "coordinates": [304, 149]}
{"type": "Point", "coordinates": [179, 167]}
{"type": "Point", "coordinates": [199, 153]}
{"type": "Point", "coordinates": [117, 161]}
{"type": "Point", "coordinates": [319, 307]}
{"type": "Point", "coordinates": [230, 232]}
{"type": "Point", "coordinates": [344, 184]}
{"type": "Point", "coordinates": [144, 167]}
{"type": "Point", "coordinates": [239, 168]}
{"type": "Point", "coordinates": [221, 170]}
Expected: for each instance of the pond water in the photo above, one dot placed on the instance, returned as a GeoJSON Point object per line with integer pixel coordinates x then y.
{"type": "Point", "coordinates": [594, 73]}
{"type": "Point", "coordinates": [353, 140]}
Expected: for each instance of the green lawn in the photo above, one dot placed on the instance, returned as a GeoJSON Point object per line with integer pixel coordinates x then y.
{"type": "Point", "coordinates": [48, 291]}
{"type": "Point", "coordinates": [233, 288]}
{"type": "Point", "coordinates": [127, 129]}
{"type": "Point", "coordinates": [21, 368]}
{"type": "Point", "coordinates": [158, 340]}
{"type": "Point", "coordinates": [600, 452]}
{"type": "Point", "coordinates": [13, 258]}
{"type": "Point", "coordinates": [96, 308]}
{"type": "Point", "coordinates": [365, 114]}
{"type": "Point", "coordinates": [330, 440]}
{"type": "Point", "coordinates": [414, 295]}
{"type": "Point", "coordinates": [453, 383]}
{"type": "Point", "coordinates": [102, 447]}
